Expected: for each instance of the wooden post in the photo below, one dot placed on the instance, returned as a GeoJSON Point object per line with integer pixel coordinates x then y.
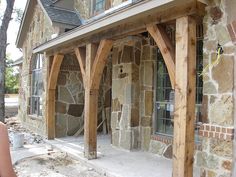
{"type": "Point", "coordinates": [183, 147]}
{"type": "Point", "coordinates": [90, 123]}
{"type": "Point", "coordinates": [52, 82]}
{"type": "Point", "coordinates": [91, 101]}
{"type": "Point", "coordinates": [51, 114]}
{"type": "Point", "coordinates": [94, 61]}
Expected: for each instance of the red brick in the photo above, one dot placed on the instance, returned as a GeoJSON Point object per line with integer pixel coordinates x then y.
{"type": "Point", "coordinates": [229, 137]}
{"type": "Point", "coordinates": [213, 128]}
{"type": "Point", "coordinates": [207, 127]}
{"type": "Point", "coordinates": [223, 130]}
{"type": "Point", "coordinates": [200, 133]}
{"type": "Point", "coordinates": [202, 127]}
{"type": "Point", "coordinates": [211, 135]}
{"type": "Point", "coordinates": [222, 136]}
{"type": "Point", "coordinates": [230, 130]}
{"type": "Point", "coordinates": [205, 134]}
{"type": "Point", "coordinates": [217, 135]}
{"type": "Point", "coordinates": [217, 129]}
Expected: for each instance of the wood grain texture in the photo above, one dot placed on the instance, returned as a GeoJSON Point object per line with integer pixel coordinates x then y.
{"type": "Point", "coordinates": [167, 49]}
{"type": "Point", "coordinates": [183, 147]}
{"type": "Point", "coordinates": [52, 83]}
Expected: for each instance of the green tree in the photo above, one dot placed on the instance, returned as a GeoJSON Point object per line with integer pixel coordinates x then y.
{"type": "Point", "coordinates": [11, 79]}
{"type": "Point", "coordinates": [5, 20]}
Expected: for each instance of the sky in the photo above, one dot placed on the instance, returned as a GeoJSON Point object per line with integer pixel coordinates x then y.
{"type": "Point", "coordinates": [12, 51]}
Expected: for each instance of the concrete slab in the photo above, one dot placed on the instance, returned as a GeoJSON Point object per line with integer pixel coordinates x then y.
{"type": "Point", "coordinates": [116, 162]}
{"type": "Point", "coordinates": [28, 151]}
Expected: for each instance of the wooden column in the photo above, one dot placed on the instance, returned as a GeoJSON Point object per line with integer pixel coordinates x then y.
{"type": "Point", "coordinates": [183, 147]}
{"type": "Point", "coordinates": [92, 63]}
{"type": "Point", "coordinates": [51, 91]}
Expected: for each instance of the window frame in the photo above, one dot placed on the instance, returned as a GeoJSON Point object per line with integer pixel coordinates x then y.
{"type": "Point", "coordinates": [198, 105]}
{"type": "Point", "coordinates": [94, 11]}
{"type": "Point", "coordinates": [36, 69]}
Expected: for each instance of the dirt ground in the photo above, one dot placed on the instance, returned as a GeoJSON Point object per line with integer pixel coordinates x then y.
{"type": "Point", "coordinates": [54, 165]}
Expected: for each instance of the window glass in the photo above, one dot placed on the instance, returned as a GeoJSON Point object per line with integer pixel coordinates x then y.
{"type": "Point", "coordinates": [36, 86]}
{"type": "Point", "coordinates": [99, 5]}
{"type": "Point", "coordinates": [165, 94]}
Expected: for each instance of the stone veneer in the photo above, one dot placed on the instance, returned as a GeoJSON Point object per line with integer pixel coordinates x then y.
{"type": "Point", "coordinates": [125, 93]}
{"type": "Point", "coordinates": [40, 30]}
{"type": "Point", "coordinates": [132, 93]}
{"type": "Point", "coordinates": [70, 98]}
{"type": "Point", "coordinates": [213, 154]}
{"type": "Point", "coordinates": [217, 133]}
{"type": "Point", "coordinates": [133, 61]}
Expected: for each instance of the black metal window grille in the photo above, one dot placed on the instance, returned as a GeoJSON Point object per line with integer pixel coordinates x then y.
{"type": "Point", "coordinates": [36, 86]}
{"type": "Point", "coordinates": [164, 93]}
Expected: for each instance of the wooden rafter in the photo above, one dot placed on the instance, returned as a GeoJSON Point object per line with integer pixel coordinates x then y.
{"type": "Point", "coordinates": [52, 82]}
{"type": "Point", "coordinates": [183, 146]}
{"type": "Point", "coordinates": [167, 49]}
{"type": "Point", "coordinates": [57, 60]}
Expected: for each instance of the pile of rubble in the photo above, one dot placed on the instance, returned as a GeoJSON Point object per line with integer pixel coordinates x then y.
{"type": "Point", "coordinates": [14, 126]}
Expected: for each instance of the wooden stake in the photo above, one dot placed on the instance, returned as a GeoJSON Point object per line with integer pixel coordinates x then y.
{"type": "Point", "coordinates": [183, 147]}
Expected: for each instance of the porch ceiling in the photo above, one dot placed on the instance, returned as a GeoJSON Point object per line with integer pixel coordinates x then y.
{"type": "Point", "coordinates": [126, 21]}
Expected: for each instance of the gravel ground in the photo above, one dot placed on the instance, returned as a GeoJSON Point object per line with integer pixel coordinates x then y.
{"type": "Point", "coordinates": [14, 126]}
{"type": "Point", "coordinates": [54, 165]}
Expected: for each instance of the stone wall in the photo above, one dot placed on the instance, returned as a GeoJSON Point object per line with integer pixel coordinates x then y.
{"type": "Point", "coordinates": [70, 98]}
{"type": "Point", "coordinates": [217, 132]}
{"type": "Point", "coordinates": [84, 8]}
{"type": "Point", "coordinates": [147, 70]}
{"type": "Point", "coordinates": [40, 30]}
{"type": "Point", "coordinates": [132, 93]}
{"type": "Point", "coordinates": [125, 93]}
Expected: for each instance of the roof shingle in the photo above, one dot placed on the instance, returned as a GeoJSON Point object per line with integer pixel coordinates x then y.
{"type": "Point", "coordinates": [60, 15]}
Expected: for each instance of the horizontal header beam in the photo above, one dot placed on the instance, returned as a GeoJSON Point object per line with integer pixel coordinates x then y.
{"type": "Point", "coordinates": [129, 20]}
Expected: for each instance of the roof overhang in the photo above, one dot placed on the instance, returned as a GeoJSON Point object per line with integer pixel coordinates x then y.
{"type": "Point", "coordinates": [27, 16]}
{"type": "Point", "coordinates": [130, 13]}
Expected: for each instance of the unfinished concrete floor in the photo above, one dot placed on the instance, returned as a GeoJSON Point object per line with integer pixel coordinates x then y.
{"type": "Point", "coordinates": [116, 162]}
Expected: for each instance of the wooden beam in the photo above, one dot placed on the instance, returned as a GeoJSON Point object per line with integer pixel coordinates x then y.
{"type": "Point", "coordinates": [91, 102]}
{"type": "Point", "coordinates": [57, 60]}
{"type": "Point", "coordinates": [51, 91]}
{"type": "Point", "coordinates": [81, 57]}
{"type": "Point", "coordinates": [90, 123]}
{"type": "Point", "coordinates": [92, 62]}
{"type": "Point", "coordinates": [121, 30]}
{"type": "Point", "coordinates": [183, 146]}
{"type": "Point", "coordinates": [51, 123]}
{"type": "Point", "coordinates": [100, 62]}
{"type": "Point", "coordinates": [167, 49]}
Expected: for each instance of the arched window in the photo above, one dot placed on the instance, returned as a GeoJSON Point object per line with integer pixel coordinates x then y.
{"type": "Point", "coordinates": [36, 85]}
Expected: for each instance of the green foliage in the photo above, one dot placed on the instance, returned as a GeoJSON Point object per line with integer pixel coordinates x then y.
{"type": "Point", "coordinates": [11, 79]}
